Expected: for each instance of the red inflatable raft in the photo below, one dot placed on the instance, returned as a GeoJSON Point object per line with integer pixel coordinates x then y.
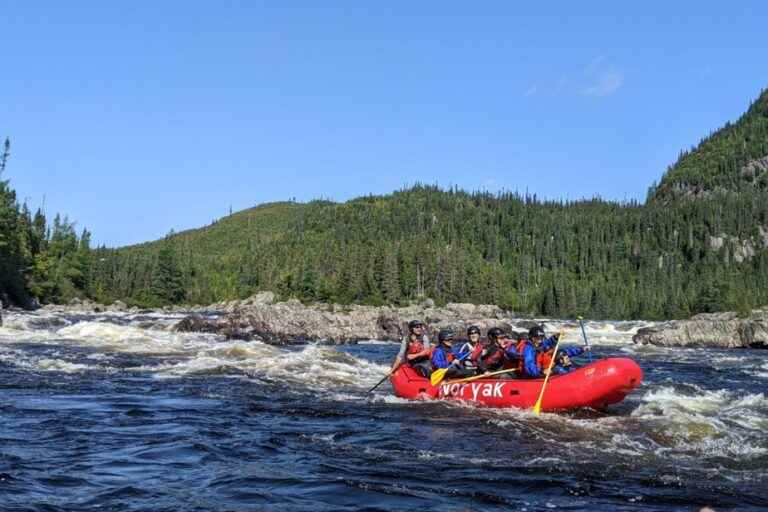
{"type": "Point", "coordinates": [595, 385]}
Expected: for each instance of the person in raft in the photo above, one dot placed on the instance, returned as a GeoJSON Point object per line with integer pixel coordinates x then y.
{"type": "Point", "coordinates": [443, 356]}
{"type": "Point", "coordinates": [489, 356]}
{"type": "Point", "coordinates": [473, 338]}
{"type": "Point", "coordinates": [529, 350]}
{"type": "Point", "coordinates": [564, 363]}
{"type": "Point", "coordinates": [415, 349]}
{"type": "Point", "coordinates": [536, 354]}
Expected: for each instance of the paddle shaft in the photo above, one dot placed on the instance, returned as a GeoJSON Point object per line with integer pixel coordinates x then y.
{"type": "Point", "coordinates": [476, 377]}
{"type": "Point", "coordinates": [537, 407]}
{"type": "Point", "coordinates": [586, 341]}
{"type": "Point", "coordinates": [382, 380]}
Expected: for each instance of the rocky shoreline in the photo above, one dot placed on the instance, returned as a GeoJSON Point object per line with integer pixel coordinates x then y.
{"type": "Point", "coordinates": [712, 330]}
{"type": "Point", "coordinates": [262, 318]}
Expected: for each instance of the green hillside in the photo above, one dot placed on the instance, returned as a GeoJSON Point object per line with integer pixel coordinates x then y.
{"type": "Point", "coordinates": [692, 247]}
{"type": "Point", "coordinates": [734, 158]}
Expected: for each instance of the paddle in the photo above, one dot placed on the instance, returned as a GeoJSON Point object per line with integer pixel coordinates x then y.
{"type": "Point", "coordinates": [537, 407]}
{"type": "Point", "coordinates": [470, 379]}
{"type": "Point", "coordinates": [439, 374]}
{"type": "Point", "coordinates": [382, 380]}
{"type": "Point", "coordinates": [586, 341]}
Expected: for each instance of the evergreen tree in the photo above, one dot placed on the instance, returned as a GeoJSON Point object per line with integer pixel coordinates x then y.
{"type": "Point", "coordinates": [167, 285]}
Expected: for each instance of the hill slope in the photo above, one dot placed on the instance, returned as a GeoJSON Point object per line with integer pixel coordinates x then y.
{"type": "Point", "coordinates": [733, 158]}
{"type": "Point", "coordinates": [603, 259]}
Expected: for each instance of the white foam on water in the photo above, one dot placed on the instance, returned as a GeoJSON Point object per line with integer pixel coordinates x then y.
{"type": "Point", "coordinates": [598, 332]}
{"type": "Point", "coordinates": [12, 335]}
{"type": "Point", "coordinates": [761, 371]}
{"type": "Point", "coordinates": [126, 338]}
{"type": "Point", "coordinates": [712, 423]}
{"type": "Point", "coordinates": [60, 365]}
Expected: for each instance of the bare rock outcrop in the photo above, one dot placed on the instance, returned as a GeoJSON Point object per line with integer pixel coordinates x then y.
{"type": "Point", "coordinates": [715, 330]}
{"type": "Point", "coordinates": [292, 321]}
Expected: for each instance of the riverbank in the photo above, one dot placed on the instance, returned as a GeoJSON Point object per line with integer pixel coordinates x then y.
{"type": "Point", "coordinates": [262, 317]}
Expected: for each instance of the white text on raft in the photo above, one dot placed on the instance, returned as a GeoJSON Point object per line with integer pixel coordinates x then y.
{"type": "Point", "coordinates": [477, 389]}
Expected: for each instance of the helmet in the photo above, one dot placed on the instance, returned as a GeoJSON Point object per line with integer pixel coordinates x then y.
{"type": "Point", "coordinates": [414, 324]}
{"type": "Point", "coordinates": [473, 329]}
{"type": "Point", "coordinates": [536, 332]}
{"type": "Point", "coordinates": [496, 333]}
{"type": "Point", "coordinates": [445, 335]}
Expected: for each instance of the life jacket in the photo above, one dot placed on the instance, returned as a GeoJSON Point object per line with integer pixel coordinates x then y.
{"type": "Point", "coordinates": [544, 359]}
{"type": "Point", "coordinates": [475, 355]}
{"type": "Point", "coordinates": [415, 346]}
{"type": "Point", "coordinates": [494, 356]}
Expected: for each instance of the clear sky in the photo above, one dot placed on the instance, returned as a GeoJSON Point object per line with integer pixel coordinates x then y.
{"type": "Point", "coordinates": [138, 117]}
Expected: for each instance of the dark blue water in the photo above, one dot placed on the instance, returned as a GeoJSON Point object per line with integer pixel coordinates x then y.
{"type": "Point", "coordinates": [201, 425]}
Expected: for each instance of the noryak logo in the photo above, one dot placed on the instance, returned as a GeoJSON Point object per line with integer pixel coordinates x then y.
{"type": "Point", "coordinates": [472, 391]}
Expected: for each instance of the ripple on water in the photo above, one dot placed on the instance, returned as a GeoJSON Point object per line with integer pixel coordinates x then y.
{"type": "Point", "coordinates": [114, 413]}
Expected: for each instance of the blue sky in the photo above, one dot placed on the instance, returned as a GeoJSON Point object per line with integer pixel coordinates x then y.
{"type": "Point", "coordinates": [137, 118]}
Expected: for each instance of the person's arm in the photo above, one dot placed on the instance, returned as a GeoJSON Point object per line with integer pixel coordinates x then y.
{"type": "Point", "coordinates": [549, 343]}
{"type": "Point", "coordinates": [572, 351]}
{"type": "Point", "coordinates": [529, 360]}
{"type": "Point", "coordinates": [401, 354]}
{"type": "Point", "coordinates": [427, 352]}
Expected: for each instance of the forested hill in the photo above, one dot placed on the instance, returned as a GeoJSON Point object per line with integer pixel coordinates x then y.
{"type": "Point", "coordinates": [38, 259]}
{"type": "Point", "coordinates": [699, 244]}
{"type": "Point", "coordinates": [732, 159]}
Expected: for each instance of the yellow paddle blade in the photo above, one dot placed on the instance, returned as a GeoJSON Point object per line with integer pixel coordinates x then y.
{"type": "Point", "coordinates": [537, 408]}
{"type": "Point", "coordinates": [437, 376]}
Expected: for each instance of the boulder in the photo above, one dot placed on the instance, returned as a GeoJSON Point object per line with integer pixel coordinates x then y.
{"type": "Point", "coordinates": [716, 330]}
{"type": "Point", "coordinates": [259, 317]}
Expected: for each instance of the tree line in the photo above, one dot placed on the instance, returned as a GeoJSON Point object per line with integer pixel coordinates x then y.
{"type": "Point", "coordinates": [39, 260]}
{"type": "Point", "coordinates": [597, 258]}
{"type": "Point", "coordinates": [698, 244]}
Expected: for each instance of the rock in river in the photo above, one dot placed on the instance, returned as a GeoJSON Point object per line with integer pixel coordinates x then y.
{"type": "Point", "coordinates": [261, 318]}
{"type": "Point", "coordinates": [717, 330]}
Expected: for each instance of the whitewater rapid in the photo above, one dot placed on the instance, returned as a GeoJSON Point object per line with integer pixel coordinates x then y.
{"type": "Point", "coordinates": [700, 412]}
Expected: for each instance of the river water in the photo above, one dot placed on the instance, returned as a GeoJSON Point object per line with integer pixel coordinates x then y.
{"type": "Point", "coordinates": [116, 412]}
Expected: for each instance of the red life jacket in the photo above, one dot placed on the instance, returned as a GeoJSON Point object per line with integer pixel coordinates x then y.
{"type": "Point", "coordinates": [520, 359]}
{"type": "Point", "coordinates": [495, 355]}
{"type": "Point", "coordinates": [544, 359]}
{"type": "Point", "coordinates": [415, 346]}
{"type": "Point", "coordinates": [476, 352]}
